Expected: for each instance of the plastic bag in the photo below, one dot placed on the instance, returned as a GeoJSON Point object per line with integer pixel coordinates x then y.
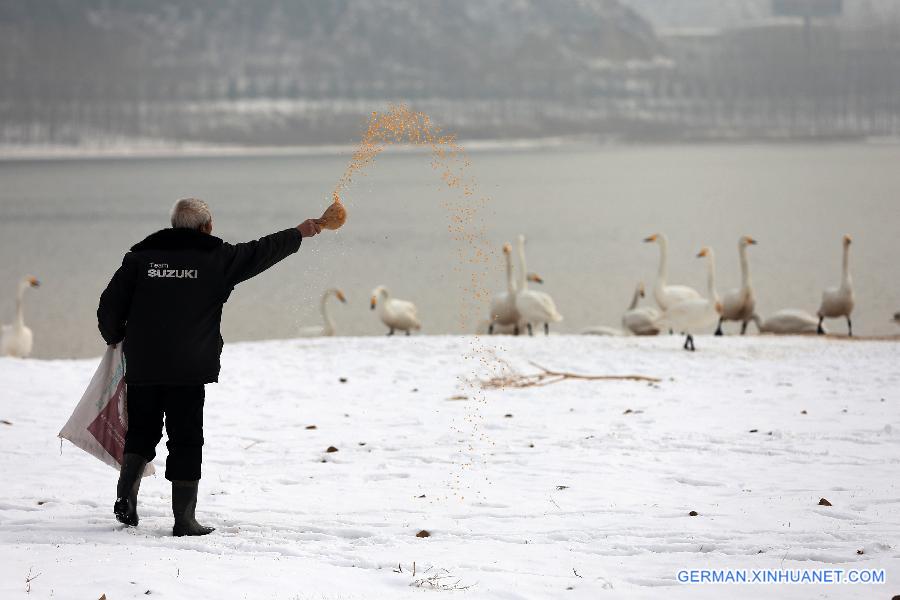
{"type": "Point", "coordinates": [100, 421]}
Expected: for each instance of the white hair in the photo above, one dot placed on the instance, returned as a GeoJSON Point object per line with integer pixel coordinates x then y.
{"type": "Point", "coordinates": [190, 213]}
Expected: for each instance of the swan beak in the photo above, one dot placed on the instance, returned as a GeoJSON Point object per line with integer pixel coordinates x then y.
{"type": "Point", "coordinates": [703, 253]}
{"type": "Point", "coordinates": [507, 249]}
{"type": "Point", "coordinates": [651, 238]}
{"type": "Point", "coordinates": [372, 303]}
{"type": "Point", "coordinates": [535, 278]}
{"type": "Point", "coordinates": [848, 240]}
{"type": "Point", "coordinates": [750, 240]}
{"type": "Point", "coordinates": [34, 282]}
{"type": "Point", "coordinates": [341, 297]}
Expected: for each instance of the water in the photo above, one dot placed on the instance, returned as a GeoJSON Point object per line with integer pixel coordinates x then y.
{"type": "Point", "coordinates": [585, 210]}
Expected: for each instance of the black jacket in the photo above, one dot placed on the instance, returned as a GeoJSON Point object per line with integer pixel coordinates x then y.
{"type": "Point", "coordinates": [166, 301]}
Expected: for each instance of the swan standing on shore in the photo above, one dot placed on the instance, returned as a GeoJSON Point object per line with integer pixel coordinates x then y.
{"type": "Point", "coordinates": [668, 295]}
{"type": "Point", "coordinates": [694, 314]}
{"type": "Point", "coordinates": [328, 328]}
{"type": "Point", "coordinates": [533, 306]}
{"type": "Point", "coordinates": [16, 339]}
{"type": "Point", "coordinates": [396, 314]}
{"type": "Point", "coordinates": [640, 320]}
{"type": "Point", "coordinates": [740, 304]}
{"type": "Point", "coordinates": [503, 310]}
{"type": "Point", "coordinates": [788, 321]}
{"type": "Point", "coordinates": [838, 302]}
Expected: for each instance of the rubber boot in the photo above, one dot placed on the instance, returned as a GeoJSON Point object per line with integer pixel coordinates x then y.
{"type": "Point", "coordinates": [184, 502]}
{"type": "Point", "coordinates": [130, 476]}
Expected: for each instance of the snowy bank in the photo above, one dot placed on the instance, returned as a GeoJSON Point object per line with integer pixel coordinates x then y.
{"type": "Point", "coordinates": [574, 490]}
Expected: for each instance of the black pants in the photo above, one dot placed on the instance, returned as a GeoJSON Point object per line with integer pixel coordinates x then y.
{"type": "Point", "coordinates": [182, 406]}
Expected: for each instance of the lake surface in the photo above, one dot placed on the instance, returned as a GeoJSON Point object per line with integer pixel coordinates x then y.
{"type": "Point", "coordinates": [585, 210]}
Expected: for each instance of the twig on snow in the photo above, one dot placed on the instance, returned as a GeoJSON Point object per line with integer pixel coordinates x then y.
{"type": "Point", "coordinates": [438, 579]}
{"type": "Point", "coordinates": [28, 579]}
{"type": "Point", "coordinates": [514, 379]}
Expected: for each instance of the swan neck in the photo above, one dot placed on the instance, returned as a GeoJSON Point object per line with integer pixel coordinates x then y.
{"type": "Point", "coordinates": [845, 267]}
{"type": "Point", "coordinates": [745, 267]}
{"type": "Point", "coordinates": [663, 259]}
{"type": "Point", "coordinates": [326, 316]}
{"type": "Point", "coordinates": [523, 281]}
{"type": "Point", "coordinates": [635, 298]}
{"type": "Point", "coordinates": [510, 281]}
{"type": "Point", "coordinates": [711, 277]}
{"type": "Point", "coordinates": [20, 307]}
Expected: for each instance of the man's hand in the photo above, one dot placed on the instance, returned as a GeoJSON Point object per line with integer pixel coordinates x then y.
{"type": "Point", "coordinates": [309, 228]}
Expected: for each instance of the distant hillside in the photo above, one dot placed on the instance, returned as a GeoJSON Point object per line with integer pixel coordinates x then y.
{"type": "Point", "coordinates": [678, 14]}
{"type": "Point", "coordinates": [308, 48]}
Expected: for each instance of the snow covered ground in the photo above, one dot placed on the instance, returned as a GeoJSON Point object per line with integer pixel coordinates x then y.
{"type": "Point", "coordinates": [575, 490]}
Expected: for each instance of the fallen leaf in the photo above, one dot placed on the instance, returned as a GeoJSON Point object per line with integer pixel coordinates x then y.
{"type": "Point", "coordinates": [5, 422]}
{"type": "Point", "coordinates": [824, 502]}
{"type": "Point", "coordinates": [693, 513]}
{"type": "Point", "coordinates": [860, 551]}
{"type": "Point", "coordinates": [423, 534]}
{"type": "Point", "coordinates": [311, 427]}
{"type": "Point", "coordinates": [754, 430]}
{"type": "Point", "coordinates": [343, 380]}
{"type": "Point", "coordinates": [507, 416]}
{"type": "Point", "coordinates": [331, 449]}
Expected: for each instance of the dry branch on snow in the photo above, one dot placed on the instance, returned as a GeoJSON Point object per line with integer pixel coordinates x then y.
{"type": "Point", "coordinates": [511, 378]}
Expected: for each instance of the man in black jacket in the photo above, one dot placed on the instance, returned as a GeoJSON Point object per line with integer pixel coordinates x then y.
{"type": "Point", "coordinates": [165, 302]}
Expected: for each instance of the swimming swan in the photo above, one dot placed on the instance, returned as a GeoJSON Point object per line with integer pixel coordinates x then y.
{"type": "Point", "coordinates": [328, 328]}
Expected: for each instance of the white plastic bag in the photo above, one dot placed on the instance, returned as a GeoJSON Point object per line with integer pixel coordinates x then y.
{"type": "Point", "coordinates": [100, 420]}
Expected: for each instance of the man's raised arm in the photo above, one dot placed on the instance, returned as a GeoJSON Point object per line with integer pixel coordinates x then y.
{"type": "Point", "coordinates": [249, 259]}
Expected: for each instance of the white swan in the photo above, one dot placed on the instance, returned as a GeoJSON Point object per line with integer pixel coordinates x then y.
{"type": "Point", "coordinates": [788, 321]}
{"type": "Point", "coordinates": [16, 339]}
{"type": "Point", "coordinates": [328, 327]}
{"type": "Point", "coordinates": [740, 304]}
{"type": "Point", "coordinates": [694, 314]}
{"type": "Point", "coordinates": [838, 302]}
{"type": "Point", "coordinates": [503, 312]}
{"type": "Point", "coordinates": [640, 320]}
{"type": "Point", "coordinates": [396, 314]}
{"type": "Point", "coordinates": [533, 306]}
{"type": "Point", "coordinates": [504, 316]}
{"type": "Point", "coordinates": [668, 295]}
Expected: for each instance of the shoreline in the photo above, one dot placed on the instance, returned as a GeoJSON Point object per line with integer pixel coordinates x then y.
{"type": "Point", "coordinates": [163, 149]}
{"type": "Point", "coordinates": [599, 342]}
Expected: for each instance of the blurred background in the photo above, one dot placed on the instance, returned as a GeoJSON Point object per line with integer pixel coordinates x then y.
{"type": "Point", "coordinates": [590, 124]}
{"type": "Point", "coordinates": [300, 72]}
